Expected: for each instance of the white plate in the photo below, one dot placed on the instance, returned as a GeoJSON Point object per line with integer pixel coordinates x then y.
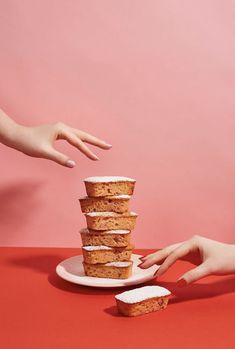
{"type": "Point", "coordinates": [71, 269]}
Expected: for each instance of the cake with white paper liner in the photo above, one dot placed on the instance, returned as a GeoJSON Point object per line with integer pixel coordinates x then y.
{"type": "Point", "coordinates": [111, 220]}
{"type": "Point", "coordinates": [117, 203]}
{"type": "Point", "coordinates": [111, 270]}
{"type": "Point", "coordinates": [111, 238]}
{"type": "Point", "coordinates": [142, 300]}
{"type": "Point", "coordinates": [109, 186]}
{"type": "Point", "coordinates": [105, 254]}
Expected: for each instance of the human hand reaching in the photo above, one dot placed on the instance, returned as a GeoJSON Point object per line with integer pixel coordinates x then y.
{"type": "Point", "coordinates": [39, 141]}
{"type": "Point", "coordinates": [209, 256]}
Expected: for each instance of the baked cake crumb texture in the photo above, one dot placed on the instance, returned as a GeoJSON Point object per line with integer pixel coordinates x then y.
{"type": "Point", "coordinates": [142, 300]}
{"type": "Point", "coordinates": [109, 186]}
{"type": "Point", "coordinates": [111, 270]}
{"type": "Point", "coordinates": [106, 241]}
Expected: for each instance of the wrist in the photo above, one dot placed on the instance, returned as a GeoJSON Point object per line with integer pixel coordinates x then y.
{"type": "Point", "coordinates": [8, 129]}
{"type": "Point", "coordinates": [8, 135]}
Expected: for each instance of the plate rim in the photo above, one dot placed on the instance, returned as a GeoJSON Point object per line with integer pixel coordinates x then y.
{"type": "Point", "coordinates": [120, 282]}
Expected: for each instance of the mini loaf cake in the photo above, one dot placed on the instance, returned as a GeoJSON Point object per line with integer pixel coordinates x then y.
{"type": "Point", "coordinates": [111, 270]}
{"type": "Point", "coordinates": [118, 203]}
{"type": "Point", "coordinates": [111, 220]}
{"type": "Point", "coordinates": [142, 300]}
{"type": "Point", "coordinates": [105, 254]}
{"type": "Point", "coordinates": [107, 185]}
{"type": "Point", "coordinates": [112, 238]}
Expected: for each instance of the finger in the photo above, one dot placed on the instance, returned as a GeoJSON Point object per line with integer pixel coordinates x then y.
{"type": "Point", "coordinates": [86, 137]}
{"type": "Point", "coordinates": [158, 256]}
{"type": "Point", "coordinates": [178, 253]}
{"type": "Point", "coordinates": [194, 275]}
{"type": "Point", "coordinates": [59, 158]}
{"type": "Point", "coordinates": [153, 258]}
{"type": "Point", "coordinates": [170, 248]}
{"type": "Point", "coordinates": [76, 142]}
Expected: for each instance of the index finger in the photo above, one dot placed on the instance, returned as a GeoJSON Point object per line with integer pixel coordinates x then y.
{"type": "Point", "coordinates": [158, 256]}
{"type": "Point", "coordinates": [86, 137]}
{"type": "Point", "coordinates": [178, 253]}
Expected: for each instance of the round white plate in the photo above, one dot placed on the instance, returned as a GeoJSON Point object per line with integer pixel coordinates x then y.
{"type": "Point", "coordinates": [71, 269]}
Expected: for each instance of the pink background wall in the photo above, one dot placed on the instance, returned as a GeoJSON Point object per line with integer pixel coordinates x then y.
{"type": "Point", "coordinates": [154, 78]}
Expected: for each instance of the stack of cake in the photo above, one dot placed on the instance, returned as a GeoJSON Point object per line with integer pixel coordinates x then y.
{"type": "Point", "coordinates": [106, 240]}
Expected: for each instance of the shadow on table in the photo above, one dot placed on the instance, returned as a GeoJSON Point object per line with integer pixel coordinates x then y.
{"type": "Point", "coordinates": [112, 311]}
{"type": "Point", "coordinates": [199, 291]}
{"type": "Point", "coordinates": [66, 286]}
{"type": "Point", "coordinates": [46, 263]}
{"type": "Point", "coordinates": [42, 263]}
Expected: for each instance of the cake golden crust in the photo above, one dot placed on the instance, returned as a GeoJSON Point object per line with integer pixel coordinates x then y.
{"type": "Point", "coordinates": [144, 307]}
{"type": "Point", "coordinates": [142, 300]}
{"type": "Point", "coordinates": [95, 189]}
{"type": "Point", "coordinates": [109, 223]}
{"type": "Point", "coordinates": [112, 238]}
{"type": "Point", "coordinates": [110, 220]}
{"type": "Point", "coordinates": [117, 204]}
{"type": "Point", "coordinates": [108, 270]}
{"type": "Point", "coordinates": [106, 254]}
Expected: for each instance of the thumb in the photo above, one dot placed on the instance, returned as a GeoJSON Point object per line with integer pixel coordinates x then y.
{"type": "Point", "coordinates": [194, 274]}
{"type": "Point", "coordinates": [60, 158]}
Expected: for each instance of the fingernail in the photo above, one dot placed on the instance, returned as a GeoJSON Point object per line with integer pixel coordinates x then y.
{"type": "Point", "coordinates": [141, 258]}
{"type": "Point", "coordinates": [109, 145]}
{"type": "Point", "coordinates": [70, 163]}
{"type": "Point", "coordinates": [140, 264]}
{"type": "Point", "coordinates": [155, 274]}
{"type": "Point", "coordinates": [181, 283]}
{"type": "Point", "coordinates": [95, 157]}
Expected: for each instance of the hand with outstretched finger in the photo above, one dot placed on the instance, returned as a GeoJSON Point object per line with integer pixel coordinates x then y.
{"type": "Point", "coordinates": [209, 256]}
{"type": "Point", "coordinates": [38, 141]}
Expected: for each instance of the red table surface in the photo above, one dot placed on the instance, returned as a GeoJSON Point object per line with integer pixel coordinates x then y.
{"type": "Point", "coordinates": [40, 310]}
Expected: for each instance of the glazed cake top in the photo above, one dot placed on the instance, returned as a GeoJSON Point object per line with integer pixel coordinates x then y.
{"type": "Point", "coordinates": [140, 294]}
{"type": "Point", "coordinates": [110, 214]}
{"type": "Point", "coordinates": [96, 248]}
{"type": "Point", "coordinates": [107, 179]}
{"type": "Point", "coordinates": [87, 231]}
{"type": "Point", "coordinates": [118, 264]}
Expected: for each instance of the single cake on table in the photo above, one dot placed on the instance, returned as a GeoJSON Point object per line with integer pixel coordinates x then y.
{"type": "Point", "coordinates": [109, 186]}
{"type": "Point", "coordinates": [111, 238]}
{"type": "Point", "coordinates": [142, 300]}
{"type": "Point", "coordinates": [111, 270]}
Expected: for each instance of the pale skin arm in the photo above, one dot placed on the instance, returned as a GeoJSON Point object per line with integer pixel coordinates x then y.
{"type": "Point", "coordinates": [210, 258]}
{"type": "Point", "coordinates": [38, 141]}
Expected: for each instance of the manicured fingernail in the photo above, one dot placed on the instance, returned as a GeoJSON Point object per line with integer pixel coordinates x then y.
{"type": "Point", "coordinates": [109, 145]}
{"type": "Point", "coordinates": [140, 264]}
{"type": "Point", "coordinates": [70, 163]}
{"type": "Point", "coordinates": [155, 274]}
{"type": "Point", "coordinates": [142, 258]}
{"type": "Point", "coordinates": [95, 157]}
{"type": "Point", "coordinates": [181, 283]}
